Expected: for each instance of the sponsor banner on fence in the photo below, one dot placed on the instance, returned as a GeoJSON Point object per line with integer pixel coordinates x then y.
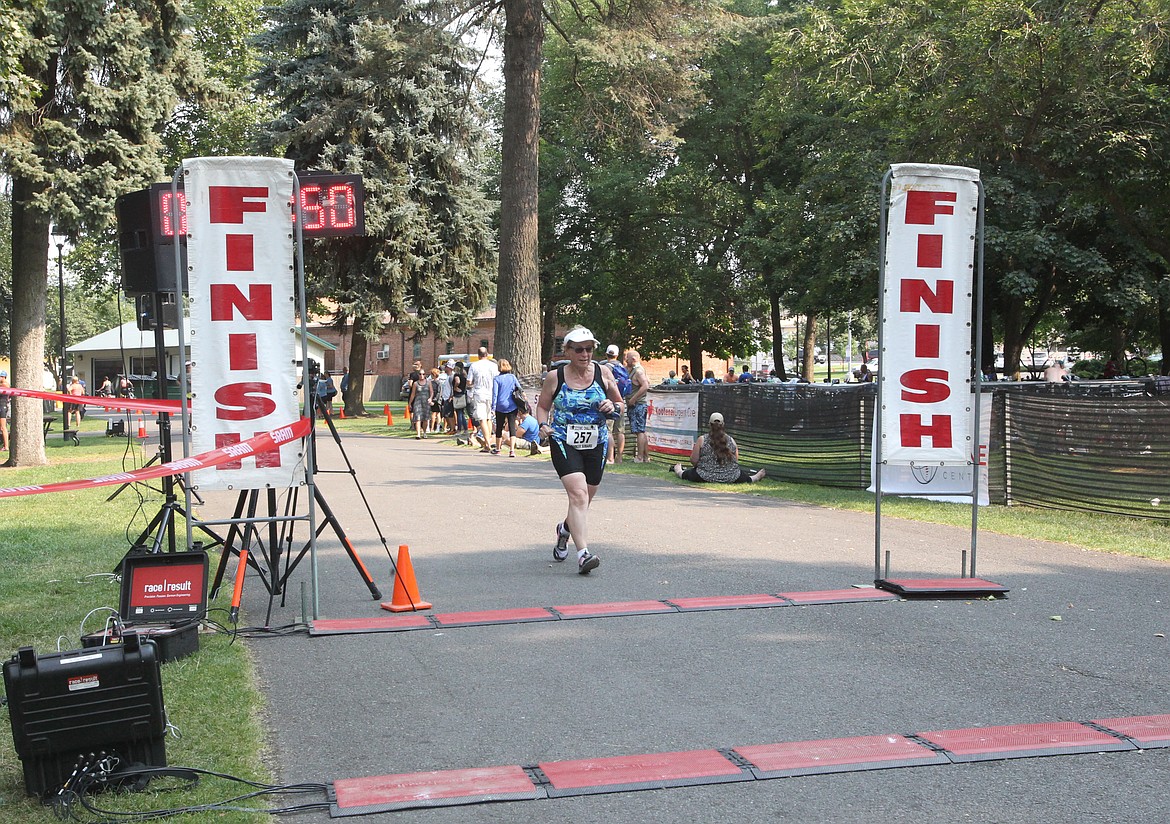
{"type": "Point", "coordinates": [243, 345]}
{"type": "Point", "coordinates": [940, 482]}
{"type": "Point", "coordinates": [672, 421]}
{"type": "Point", "coordinates": [927, 287]}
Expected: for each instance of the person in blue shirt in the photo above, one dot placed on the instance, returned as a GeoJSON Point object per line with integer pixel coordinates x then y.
{"type": "Point", "coordinates": [746, 375]}
{"type": "Point", "coordinates": [528, 435]}
{"type": "Point", "coordinates": [709, 378]}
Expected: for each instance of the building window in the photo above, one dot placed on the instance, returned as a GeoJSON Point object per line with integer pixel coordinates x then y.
{"type": "Point", "coordinates": [484, 343]}
{"type": "Point", "coordinates": [417, 350]}
{"type": "Point", "coordinates": [450, 347]}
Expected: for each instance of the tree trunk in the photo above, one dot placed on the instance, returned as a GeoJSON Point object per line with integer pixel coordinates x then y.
{"type": "Point", "coordinates": [518, 320]}
{"type": "Point", "coordinates": [30, 283]}
{"type": "Point", "coordinates": [777, 337]}
{"type": "Point", "coordinates": [810, 342]}
{"type": "Point", "coordinates": [1164, 333]}
{"type": "Point", "coordinates": [352, 400]}
{"type": "Point", "coordinates": [695, 355]}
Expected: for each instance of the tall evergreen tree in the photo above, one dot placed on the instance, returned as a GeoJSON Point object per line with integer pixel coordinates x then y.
{"type": "Point", "coordinates": [79, 123]}
{"type": "Point", "coordinates": [377, 88]}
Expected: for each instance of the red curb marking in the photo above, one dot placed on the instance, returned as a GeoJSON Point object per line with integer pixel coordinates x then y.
{"type": "Point", "coordinates": [727, 602]}
{"type": "Point", "coordinates": [390, 622]}
{"type": "Point", "coordinates": [1022, 739]}
{"type": "Point", "coordinates": [494, 616]}
{"type": "Point", "coordinates": [420, 787]}
{"type": "Point", "coordinates": [838, 596]}
{"type": "Point", "coordinates": [839, 754]}
{"type": "Point", "coordinates": [616, 608]}
{"type": "Point", "coordinates": [1146, 730]}
{"type": "Point", "coordinates": [654, 768]}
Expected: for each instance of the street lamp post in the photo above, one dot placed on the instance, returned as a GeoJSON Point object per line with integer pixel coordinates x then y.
{"type": "Point", "coordinates": [61, 330]}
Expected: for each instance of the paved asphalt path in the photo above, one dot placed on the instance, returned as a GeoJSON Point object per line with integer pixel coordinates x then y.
{"type": "Point", "coordinates": [480, 531]}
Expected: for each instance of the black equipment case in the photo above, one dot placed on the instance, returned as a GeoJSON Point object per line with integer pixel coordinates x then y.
{"type": "Point", "coordinates": [100, 700]}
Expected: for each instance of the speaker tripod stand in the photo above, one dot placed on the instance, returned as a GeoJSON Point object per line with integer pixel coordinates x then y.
{"type": "Point", "coordinates": [278, 545]}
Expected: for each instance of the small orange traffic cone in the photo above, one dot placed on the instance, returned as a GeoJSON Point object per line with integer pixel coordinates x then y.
{"type": "Point", "coordinates": [406, 597]}
{"type": "Point", "coordinates": [141, 426]}
{"type": "Point", "coordinates": [389, 415]}
{"type": "Point", "coordinates": [343, 413]}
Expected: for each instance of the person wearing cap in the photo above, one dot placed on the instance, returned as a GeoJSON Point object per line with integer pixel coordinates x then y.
{"type": "Point", "coordinates": [575, 400]}
{"type": "Point", "coordinates": [636, 404]}
{"type": "Point", "coordinates": [716, 458]}
{"type": "Point", "coordinates": [4, 412]}
{"type": "Point", "coordinates": [617, 428]}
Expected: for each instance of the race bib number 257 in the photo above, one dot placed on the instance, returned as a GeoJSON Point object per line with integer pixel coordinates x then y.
{"type": "Point", "coordinates": [581, 436]}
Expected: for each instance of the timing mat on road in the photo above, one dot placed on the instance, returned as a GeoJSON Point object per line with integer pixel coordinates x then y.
{"type": "Point", "coordinates": [657, 771]}
{"type": "Point", "coordinates": [404, 622]}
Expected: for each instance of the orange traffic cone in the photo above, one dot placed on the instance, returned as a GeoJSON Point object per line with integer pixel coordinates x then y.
{"type": "Point", "coordinates": [389, 415]}
{"type": "Point", "coordinates": [406, 597]}
{"type": "Point", "coordinates": [141, 426]}
{"type": "Point", "coordinates": [343, 413]}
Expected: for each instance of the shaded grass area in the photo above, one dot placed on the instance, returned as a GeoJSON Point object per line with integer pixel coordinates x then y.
{"type": "Point", "coordinates": [58, 552]}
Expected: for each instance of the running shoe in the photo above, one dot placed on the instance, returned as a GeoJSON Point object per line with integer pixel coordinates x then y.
{"type": "Point", "coordinates": [587, 562]}
{"type": "Point", "coordinates": [561, 550]}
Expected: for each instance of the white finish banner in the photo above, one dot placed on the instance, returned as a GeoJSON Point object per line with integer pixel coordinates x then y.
{"type": "Point", "coordinates": [243, 344]}
{"type": "Point", "coordinates": [672, 421]}
{"type": "Point", "coordinates": [940, 482]}
{"type": "Point", "coordinates": [926, 365]}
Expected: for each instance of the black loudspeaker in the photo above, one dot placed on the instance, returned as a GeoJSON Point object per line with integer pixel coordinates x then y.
{"type": "Point", "coordinates": [66, 705]}
{"type": "Point", "coordinates": [147, 248]}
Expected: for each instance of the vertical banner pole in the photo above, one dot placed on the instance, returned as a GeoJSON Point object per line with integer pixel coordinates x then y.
{"type": "Point", "coordinates": [977, 419]}
{"type": "Point", "coordinates": [876, 437]}
{"type": "Point", "coordinates": [184, 356]}
{"type": "Point", "coordinates": [309, 396]}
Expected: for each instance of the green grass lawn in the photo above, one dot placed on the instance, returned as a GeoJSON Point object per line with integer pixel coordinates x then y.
{"type": "Point", "coordinates": [58, 551]}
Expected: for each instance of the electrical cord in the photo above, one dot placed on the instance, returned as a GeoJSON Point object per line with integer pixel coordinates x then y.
{"type": "Point", "coordinates": [100, 771]}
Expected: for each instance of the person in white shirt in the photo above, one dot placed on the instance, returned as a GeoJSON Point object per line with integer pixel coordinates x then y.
{"type": "Point", "coordinates": [481, 377]}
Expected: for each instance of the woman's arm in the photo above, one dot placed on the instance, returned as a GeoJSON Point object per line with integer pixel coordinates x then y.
{"type": "Point", "coordinates": [695, 450]}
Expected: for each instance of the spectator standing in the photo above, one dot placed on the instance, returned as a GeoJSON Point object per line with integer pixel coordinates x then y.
{"type": "Point", "coordinates": [730, 376]}
{"type": "Point", "coordinates": [671, 379]}
{"type": "Point", "coordinates": [574, 402]}
{"type": "Point", "coordinates": [481, 379]}
{"type": "Point", "coordinates": [636, 402]}
{"type": "Point", "coordinates": [436, 422]}
{"type": "Point", "coordinates": [446, 395]}
{"type": "Point", "coordinates": [326, 392]}
{"type": "Point", "coordinates": [709, 378]}
{"type": "Point", "coordinates": [76, 389]}
{"type": "Point", "coordinates": [716, 458]}
{"type": "Point", "coordinates": [686, 377]}
{"type": "Point", "coordinates": [746, 375]}
{"type": "Point", "coordinates": [420, 403]}
{"type": "Point", "coordinates": [504, 407]}
{"type": "Point", "coordinates": [1055, 372]}
{"type": "Point", "coordinates": [459, 403]}
{"type": "Point", "coordinates": [617, 443]}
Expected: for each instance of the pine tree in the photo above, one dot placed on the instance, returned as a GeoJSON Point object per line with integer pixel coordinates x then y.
{"type": "Point", "coordinates": [380, 88]}
{"type": "Point", "coordinates": [86, 88]}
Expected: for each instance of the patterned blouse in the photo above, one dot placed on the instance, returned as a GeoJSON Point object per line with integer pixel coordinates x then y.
{"type": "Point", "coordinates": [579, 406]}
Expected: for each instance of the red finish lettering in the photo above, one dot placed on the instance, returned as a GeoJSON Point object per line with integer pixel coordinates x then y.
{"type": "Point", "coordinates": [914, 429]}
{"type": "Point", "coordinates": [240, 257]}
{"type": "Point", "coordinates": [926, 340]}
{"type": "Point", "coordinates": [228, 204]}
{"type": "Point", "coordinates": [226, 297]}
{"type": "Point", "coordinates": [930, 251]}
{"type": "Point", "coordinates": [917, 293]}
{"type": "Point", "coordinates": [925, 386]}
{"type": "Point", "coordinates": [244, 401]}
{"type": "Point", "coordinates": [223, 439]}
{"type": "Point", "coordinates": [269, 459]}
{"type": "Point", "coordinates": [922, 206]}
{"type": "Point", "coordinates": [242, 352]}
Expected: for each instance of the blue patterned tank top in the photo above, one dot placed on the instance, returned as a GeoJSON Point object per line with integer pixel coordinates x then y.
{"type": "Point", "coordinates": [579, 406]}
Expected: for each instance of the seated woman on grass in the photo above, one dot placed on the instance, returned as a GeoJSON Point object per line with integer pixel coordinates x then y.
{"type": "Point", "coordinates": [716, 459]}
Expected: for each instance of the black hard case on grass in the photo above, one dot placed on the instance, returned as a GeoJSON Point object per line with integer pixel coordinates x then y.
{"type": "Point", "coordinates": [100, 700]}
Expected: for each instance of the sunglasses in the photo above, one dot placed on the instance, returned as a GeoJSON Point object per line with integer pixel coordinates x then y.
{"type": "Point", "coordinates": [580, 349]}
